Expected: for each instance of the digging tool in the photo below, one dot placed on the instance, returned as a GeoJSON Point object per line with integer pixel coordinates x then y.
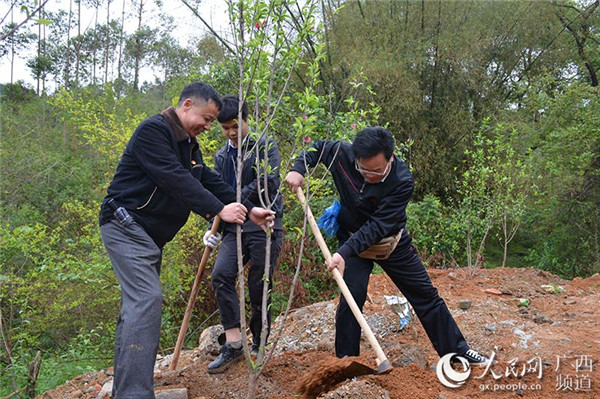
{"type": "Point", "coordinates": [192, 300]}
{"type": "Point", "coordinates": [383, 364]}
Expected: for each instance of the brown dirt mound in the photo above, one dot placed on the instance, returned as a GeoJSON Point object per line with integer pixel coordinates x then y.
{"type": "Point", "coordinates": [329, 372]}
{"type": "Point", "coordinates": [558, 330]}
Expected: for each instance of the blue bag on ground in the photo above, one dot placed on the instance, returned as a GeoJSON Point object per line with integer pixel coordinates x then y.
{"type": "Point", "coordinates": [328, 222]}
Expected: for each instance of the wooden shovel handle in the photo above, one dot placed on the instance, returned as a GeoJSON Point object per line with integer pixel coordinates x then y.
{"type": "Point", "coordinates": [192, 300]}
{"type": "Point", "coordinates": [382, 361]}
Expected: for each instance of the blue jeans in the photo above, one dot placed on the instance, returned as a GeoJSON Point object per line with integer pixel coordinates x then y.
{"type": "Point", "coordinates": [136, 260]}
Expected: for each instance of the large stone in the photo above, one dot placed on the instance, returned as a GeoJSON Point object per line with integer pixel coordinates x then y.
{"type": "Point", "coordinates": [106, 390]}
{"type": "Point", "coordinates": [172, 393]}
{"type": "Point", "coordinates": [209, 340]}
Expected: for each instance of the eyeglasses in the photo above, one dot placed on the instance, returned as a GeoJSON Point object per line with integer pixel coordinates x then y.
{"type": "Point", "coordinates": [371, 172]}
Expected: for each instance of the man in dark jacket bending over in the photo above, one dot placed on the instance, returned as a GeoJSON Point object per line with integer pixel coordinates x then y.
{"type": "Point", "coordinates": [254, 239]}
{"type": "Point", "coordinates": [161, 178]}
{"type": "Point", "coordinates": [374, 187]}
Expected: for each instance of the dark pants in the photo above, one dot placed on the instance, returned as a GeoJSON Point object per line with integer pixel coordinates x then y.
{"type": "Point", "coordinates": [224, 277]}
{"type": "Point", "coordinates": [136, 261]}
{"type": "Point", "coordinates": [408, 273]}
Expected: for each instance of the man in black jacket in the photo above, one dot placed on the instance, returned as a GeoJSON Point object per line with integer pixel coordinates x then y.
{"type": "Point", "coordinates": [160, 178]}
{"type": "Point", "coordinates": [374, 187]}
{"type": "Point", "coordinates": [254, 239]}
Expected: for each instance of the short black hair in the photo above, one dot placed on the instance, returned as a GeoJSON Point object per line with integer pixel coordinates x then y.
{"type": "Point", "coordinates": [200, 91]}
{"type": "Point", "coordinates": [372, 141]}
{"type": "Point", "coordinates": [230, 109]}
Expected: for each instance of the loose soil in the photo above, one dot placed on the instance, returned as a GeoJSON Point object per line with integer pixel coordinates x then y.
{"type": "Point", "coordinates": [559, 330]}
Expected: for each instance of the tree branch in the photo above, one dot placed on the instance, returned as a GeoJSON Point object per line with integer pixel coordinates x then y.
{"type": "Point", "coordinates": [13, 30]}
{"type": "Point", "coordinates": [215, 34]}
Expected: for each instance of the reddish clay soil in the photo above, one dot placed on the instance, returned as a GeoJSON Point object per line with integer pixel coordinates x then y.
{"type": "Point", "coordinates": [559, 331]}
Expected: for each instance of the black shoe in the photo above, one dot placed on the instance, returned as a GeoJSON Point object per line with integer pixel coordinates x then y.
{"type": "Point", "coordinates": [227, 356]}
{"type": "Point", "coordinates": [475, 358]}
{"type": "Point", "coordinates": [254, 350]}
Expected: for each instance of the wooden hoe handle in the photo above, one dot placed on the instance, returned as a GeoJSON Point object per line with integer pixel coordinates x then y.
{"type": "Point", "coordinates": [193, 295]}
{"type": "Point", "coordinates": [382, 361]}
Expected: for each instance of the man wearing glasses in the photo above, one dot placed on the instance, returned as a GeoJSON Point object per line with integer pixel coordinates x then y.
{"type": "Point", "coordinates": [374, 187]}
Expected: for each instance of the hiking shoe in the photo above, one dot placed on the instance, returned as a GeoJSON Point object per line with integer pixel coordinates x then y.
{"type": "Point", "coordinates": [227, 356]}
{"type": "Point", "coordinates": [475, 358]}
{"type": "Point", "coordinates": [254, 350]}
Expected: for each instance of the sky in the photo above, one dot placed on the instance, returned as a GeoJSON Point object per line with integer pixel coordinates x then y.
{"type": "Point", "coordinates": [188, 26]}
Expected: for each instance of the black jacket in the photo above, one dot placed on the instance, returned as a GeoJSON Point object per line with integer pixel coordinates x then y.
{"type": "Point", "coordinates": [225, 167]}
{"type": "Point", "coordinates": [161, 177]}
{"type": "Point", "coordinates": [370, 211]}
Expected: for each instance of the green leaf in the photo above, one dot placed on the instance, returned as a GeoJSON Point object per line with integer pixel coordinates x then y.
{"type": "Point", "coordinates": [43, 21]}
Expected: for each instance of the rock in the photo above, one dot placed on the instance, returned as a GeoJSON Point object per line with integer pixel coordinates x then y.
{"type": "Point", "coordinates": [490, 327]}
{"type": "Point", "coordinates": [172, 393]}
{"type": "Point", "coordinates": [540, 318]}
{"type": "Point", "coordinates": [410, 354]}
{"type": "Point", "coordinates": [464, 304]}
{"type": "Point", "coordinates": [209, 340]}
{"type": "Point", "coordinates": [452, 274]}
{"type": "Point", "coordinates": [162, 362]}
{"type": "Point", "coordinates": [106, 390]}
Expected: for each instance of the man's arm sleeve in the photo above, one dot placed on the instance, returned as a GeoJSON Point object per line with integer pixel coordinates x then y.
{"type": "Point", "coordinates": [153, 152]}
{"type": "Point", "coordinates": [322, 151]}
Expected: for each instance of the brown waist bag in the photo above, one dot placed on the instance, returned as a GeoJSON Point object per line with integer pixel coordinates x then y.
{"type": "Point", "coordinates": [383, 249]}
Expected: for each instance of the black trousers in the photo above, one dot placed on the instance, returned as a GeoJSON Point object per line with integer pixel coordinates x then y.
{"type": "Point", "coordinates": [408, 273]}
{"type": "Point", "coordinates": [224, 277]}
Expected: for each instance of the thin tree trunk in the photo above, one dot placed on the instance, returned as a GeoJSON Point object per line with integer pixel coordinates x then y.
{"type": "Point", "coordinates": [121, 40]}
{"type": "Point", "coordinates": [95, 51]}
{"type": "Point", "coordinates": [39, 57]}
{"type": "Point", "coordinates": [138, 49]}
{"type": "Point", "coordinates": [67, 69]}
{"type": "Point", "coordinates": [78, 50]}
{"type": "Point", "coordinates": [435, 57]}
{"type": "Point", "coordinates": [43, 55]}
{"type": "Point", "coordinates": [33, 372]}
{"type": "Point", "coordinates": [108, 37]}
{"type": "Point", "coordinates": [12, 48]}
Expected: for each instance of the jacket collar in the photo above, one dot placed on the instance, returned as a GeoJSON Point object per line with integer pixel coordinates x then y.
{"type": "Point", "coordinates": [176, 126]}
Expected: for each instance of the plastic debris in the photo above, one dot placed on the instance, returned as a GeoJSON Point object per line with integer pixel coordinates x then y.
{"type": "Point", "coordinates": [524, 302]}
{"type": "Point", "coordinates": [553, 288]}
{"type": "Point", "coordinates": [328, 221]}
{"type": "Point", "coordinates": [401, 307]}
